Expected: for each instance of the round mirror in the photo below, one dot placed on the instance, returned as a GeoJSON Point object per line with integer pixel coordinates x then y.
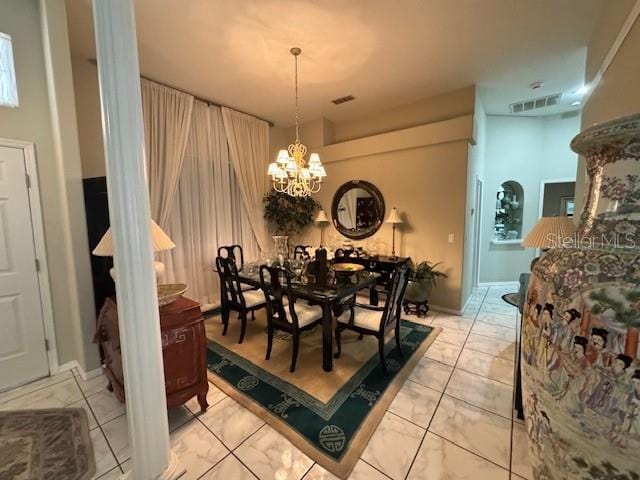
{"type": "Point", "coordinates": [357, 209]}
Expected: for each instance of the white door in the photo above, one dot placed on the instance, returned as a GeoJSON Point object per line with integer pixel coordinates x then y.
{"type": "Point", "coordinates": [23, 354]}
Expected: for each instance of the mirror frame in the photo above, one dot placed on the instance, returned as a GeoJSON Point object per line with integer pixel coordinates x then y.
{"type": "Point", "coordinates": [378, 199]}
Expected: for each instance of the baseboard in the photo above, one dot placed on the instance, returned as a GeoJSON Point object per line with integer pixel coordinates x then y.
{"type": "Point", "coordinates": [74, 364]}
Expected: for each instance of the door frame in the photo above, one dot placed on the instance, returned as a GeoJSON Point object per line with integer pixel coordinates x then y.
{"type": "Point", "coordinates": [544, 182]}
{"type": "Point", "coordinates": [477, 232]}
{"type": "Point", "coordinates": [37, 223]}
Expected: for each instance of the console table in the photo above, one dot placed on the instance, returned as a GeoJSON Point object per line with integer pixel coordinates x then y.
{"type": "Point", "coordinates": [382, 264]}
{"type": "Point", "coordinates": [184, 351]}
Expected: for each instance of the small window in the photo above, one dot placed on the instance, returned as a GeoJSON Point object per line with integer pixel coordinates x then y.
{"type": "Point", "coordinates": [8, 85]}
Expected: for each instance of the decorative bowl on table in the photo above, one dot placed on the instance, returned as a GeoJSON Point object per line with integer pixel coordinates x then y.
{"type": "Point", "coordinates": [169, 292]}
{"type": "Point", "coordinates": [346, 269]}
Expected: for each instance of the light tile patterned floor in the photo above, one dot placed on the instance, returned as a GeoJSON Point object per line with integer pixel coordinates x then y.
{"type": "Point", "coordinates": [453, 419]}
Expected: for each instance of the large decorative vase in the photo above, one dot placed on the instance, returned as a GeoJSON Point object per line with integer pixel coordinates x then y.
{"type": "Point", "coordinates": [581, 373]}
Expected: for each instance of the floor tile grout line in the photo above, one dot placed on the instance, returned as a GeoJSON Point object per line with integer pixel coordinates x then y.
{"type": "Point", "coordinates": [408, 420]}
{"type": "Point", "coordinates": [508, 419]}
{"type": "Point", "coordinates": [440, 399]}
{"type": "Point", "coordinates": [484, 376]}
{"type": "Point", "coordinates": [36, 390]}
{"type": "Point", "coordinates": [375, 468]}
{"type": "Point", "coordinates": [230, 450]}
{"type": "Point", "coordinates": [104, 435]}
{"type": "Point", "coordinates": [508, 470]}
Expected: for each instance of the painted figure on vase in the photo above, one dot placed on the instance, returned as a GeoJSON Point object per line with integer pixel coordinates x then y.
{"type": "Point", "coordinates": [581, 327]}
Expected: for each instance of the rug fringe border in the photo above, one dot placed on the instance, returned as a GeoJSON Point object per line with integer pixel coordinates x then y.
{"type": "Point", "coordinates": [345, 466]}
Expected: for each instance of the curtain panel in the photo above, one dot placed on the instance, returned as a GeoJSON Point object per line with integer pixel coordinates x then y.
{"type": "Point", "coordinates": [248, 139]}
{"type": "Point", "coordinates": [207, 211]}
{"type": "Point", "coordinates": [167, 121]}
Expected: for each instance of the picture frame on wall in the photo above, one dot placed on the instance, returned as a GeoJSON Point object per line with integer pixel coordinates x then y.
{"type": "Point", "coordinates": [567, 206]}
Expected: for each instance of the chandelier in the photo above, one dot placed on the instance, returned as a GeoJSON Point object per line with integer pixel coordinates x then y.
{"type": "Point", "coordinates": [290, 173]}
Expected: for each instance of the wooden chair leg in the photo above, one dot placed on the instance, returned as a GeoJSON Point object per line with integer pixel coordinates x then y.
{"type": "Point", "coordinates": [225, 320]}
{"type": "Point", "coordinates": [253, 315]}
{"type": "Point", "coordinates": [294, 356]}
{"type": "Point", "coordinates": [243, 327]}
{"type": "Point", "coordinates": [361, 336]}
{"type": "Point", "coordinates": [398, 342]}
{"type": "Point", "coordinates": [269, 341]}
{"type": "Point", "coordinates": [383, 364]}
{"type": "Point", "coordinates": [338, 343]}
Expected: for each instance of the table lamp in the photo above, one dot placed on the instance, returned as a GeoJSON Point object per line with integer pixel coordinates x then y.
{"type": "Point", "coordinates": [321, 218]}
{"type": "Point", "coordinates": [549, 232]}
{"type": "Point", "coordinates": [393, 219]}
{"type": "Point", "coordinates": [160, 242]}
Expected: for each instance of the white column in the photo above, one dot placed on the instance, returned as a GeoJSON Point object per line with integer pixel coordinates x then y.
{"type": "Point", "coordinates": [139, 323]}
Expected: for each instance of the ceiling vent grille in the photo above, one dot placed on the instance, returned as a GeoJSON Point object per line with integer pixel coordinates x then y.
{"type": "Point", "coordinates": [345, 99]}
{"type": "Point", "coordinates": [535, 104]}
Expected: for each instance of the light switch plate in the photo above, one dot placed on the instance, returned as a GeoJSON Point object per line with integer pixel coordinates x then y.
{"type": "Point", "coordinates": [451, 237]}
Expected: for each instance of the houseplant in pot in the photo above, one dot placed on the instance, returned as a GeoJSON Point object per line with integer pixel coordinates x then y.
{"type": "Point", "coordinates": [287, 216]}
{"type": "Point", "coordinates": [424, 276]}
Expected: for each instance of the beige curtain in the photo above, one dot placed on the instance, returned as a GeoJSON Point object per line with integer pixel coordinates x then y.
{"type": "Point", "coordinates": [207, 211]}
{"type": "Point", "coordinates": [248, 140]}
{"type": "Point", "coordinates": [167, 121]}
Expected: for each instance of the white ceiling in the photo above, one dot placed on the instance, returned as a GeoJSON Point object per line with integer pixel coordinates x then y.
{"type": "Point", "coordinates": [384, 52]}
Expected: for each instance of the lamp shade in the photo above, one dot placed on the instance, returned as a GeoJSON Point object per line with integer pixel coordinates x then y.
{"type": "Point", "coordinates": [159, 240]}
{"type": "Point", "coordinates": [321, 217]}
{"type": "Point", "coordinates": [393, 217]}
{"type": "Point", "coordinates": [550, 232]}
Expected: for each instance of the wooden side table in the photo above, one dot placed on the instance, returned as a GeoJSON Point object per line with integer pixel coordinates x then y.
{"type": "Point", "coordinates": [184, 351]}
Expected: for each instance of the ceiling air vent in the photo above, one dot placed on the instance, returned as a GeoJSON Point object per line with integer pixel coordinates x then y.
{"type": "Point", "coordinates": [346, 99]}
{"type": "Point", "coordinates": [535, 104]}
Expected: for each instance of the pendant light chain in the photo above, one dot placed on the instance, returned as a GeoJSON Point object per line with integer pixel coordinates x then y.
{"type": "Point", "coordinates": [291, 173]}
{"type": "Point", "coordinates": [296, 89]}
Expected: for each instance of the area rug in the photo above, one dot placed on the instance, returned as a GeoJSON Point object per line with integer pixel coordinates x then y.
{"type": "Point", "coordinates": [46, 444]}
{"type": "Point", "coordinates": [329, 416]}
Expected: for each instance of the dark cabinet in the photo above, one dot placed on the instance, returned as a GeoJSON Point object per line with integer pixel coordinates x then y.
{"type": "Point", "coordinates": [184, 351]}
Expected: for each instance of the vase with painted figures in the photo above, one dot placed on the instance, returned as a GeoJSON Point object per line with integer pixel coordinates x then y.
{"type": "Point", "coordinates": [580, 365]}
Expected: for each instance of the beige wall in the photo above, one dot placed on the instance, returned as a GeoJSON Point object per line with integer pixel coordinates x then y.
{"type": "Point", "coordinates": [429, 110]}
{"type": "Point", "coordinates": [617, 94]}
{"type": "Point", "coordinates": [87, 96]}
{"type": "Point", "coordinates": [50, 123]}
{"type": "Point", "coordinates": [527, 150]}
{"type": "Point", "coordinates": [410, 179]}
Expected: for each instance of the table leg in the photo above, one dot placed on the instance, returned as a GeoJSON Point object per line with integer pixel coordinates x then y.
{"type": "Point", "coordinates": [327, 338]}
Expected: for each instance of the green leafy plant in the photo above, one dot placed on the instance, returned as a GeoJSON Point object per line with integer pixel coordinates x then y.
{"type": "Point", "coordinates": [426, 272]}
{"type": "Point", "coordinates": [288, 215]}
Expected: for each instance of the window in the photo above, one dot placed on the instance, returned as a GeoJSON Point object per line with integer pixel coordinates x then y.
{"type": "Point", "coordinates": [8, 86]}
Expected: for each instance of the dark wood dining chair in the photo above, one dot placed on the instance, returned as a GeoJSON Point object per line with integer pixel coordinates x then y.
{"type": "Point", "coordinates": [234, 298]}
{"type": "Point", "coordinates": [377, 321]}
{"type": "Point", "coordinates": [233, 251]}
{"type": "Point", "coordinates": [301, 252]}
{"type": "Point", "coordinates": [284, 312]}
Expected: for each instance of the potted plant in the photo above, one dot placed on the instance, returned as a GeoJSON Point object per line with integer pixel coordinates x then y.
{"type": "Point", "coordinates": [423, 277]}
{"type": "Point", "coordinates": [287, 216]}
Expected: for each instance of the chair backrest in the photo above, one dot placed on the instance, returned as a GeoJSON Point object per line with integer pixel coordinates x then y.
{"type": "Point", "coordinates": [344, 254]}
{"type": "Point", "coordinates": [229, 280]}
{"type": "Point", "coordinates": [276, 285]}
{"type": "Point", "coordinates": [233, 251]}
{"type": "Point", "coordinates": [301, 252]}
{"type": "Point", "coordinates": [393, 303]}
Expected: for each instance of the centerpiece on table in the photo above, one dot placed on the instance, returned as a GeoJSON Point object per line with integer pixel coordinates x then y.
{"type": "Point", "coordinates": [287, 216]}
{"type": "Point", "coordinates": [424, 276]}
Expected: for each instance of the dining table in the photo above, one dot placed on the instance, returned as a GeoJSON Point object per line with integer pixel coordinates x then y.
{"type": "Point", "coordinates": [329, 295]}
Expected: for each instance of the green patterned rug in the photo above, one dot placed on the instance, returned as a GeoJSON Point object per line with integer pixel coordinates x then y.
{"type": "Point", "coordinates": [333, 433]}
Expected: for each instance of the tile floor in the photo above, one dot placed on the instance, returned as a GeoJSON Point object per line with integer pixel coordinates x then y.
{"type": "Point", "coordinates": [453, 419]}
